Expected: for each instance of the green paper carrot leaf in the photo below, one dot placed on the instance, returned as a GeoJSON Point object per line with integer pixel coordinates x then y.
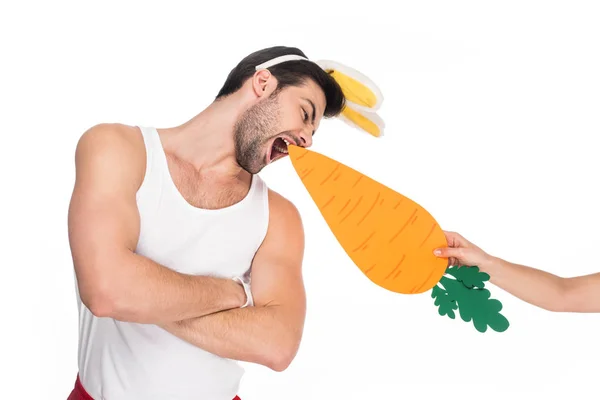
{"type": "Point", "coordinates": [474, 303]}
{"type": "Point", "coordinates": [469, 276]}
{"type": "Point", "coordinates": [446, 306]}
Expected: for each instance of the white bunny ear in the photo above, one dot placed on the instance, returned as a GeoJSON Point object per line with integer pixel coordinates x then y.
{"type": "Point", "coordinates": [360, 91]}
{"type": "Point", "coordinates": [363, 97]}
{"type": "Point", "coordinates": [366, 121]}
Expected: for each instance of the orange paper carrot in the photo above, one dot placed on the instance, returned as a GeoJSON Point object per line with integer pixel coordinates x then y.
{"type": "Point", "coordinates": [391, 238]}
{"type": "Point", "coordinates": [387, 235]}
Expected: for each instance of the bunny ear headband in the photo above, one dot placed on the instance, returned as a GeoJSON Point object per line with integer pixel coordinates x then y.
{"type": "Point", "coordinates": [363, 97]}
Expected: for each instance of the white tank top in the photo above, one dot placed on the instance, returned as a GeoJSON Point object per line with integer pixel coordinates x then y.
{"type": "Point", "coordinates": [131, 361]}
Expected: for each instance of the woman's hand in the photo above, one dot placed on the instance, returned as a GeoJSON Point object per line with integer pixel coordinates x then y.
{"type": "Point", "coordinates": [462, 252]}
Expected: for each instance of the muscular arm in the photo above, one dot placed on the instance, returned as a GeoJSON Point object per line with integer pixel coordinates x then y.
{"type": "Point", "coordinates": [270, 332]}
{"type": "Point", "coordinates": [104, 222]}
{"type": "Point", "coordinates": [543, 289]}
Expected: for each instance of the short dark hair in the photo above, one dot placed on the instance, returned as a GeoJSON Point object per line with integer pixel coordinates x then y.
{"type": "Point", "coordinates": [289, 73]}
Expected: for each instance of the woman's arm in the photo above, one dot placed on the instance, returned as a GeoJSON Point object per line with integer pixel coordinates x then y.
{"type": "Point", "coordinates": [534, 286]}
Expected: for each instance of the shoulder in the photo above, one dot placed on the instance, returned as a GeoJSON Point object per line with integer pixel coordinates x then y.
{"type": "Point", "coordinates": [285, 235]}
{"type": "Point", "coordinates": [279, 206]}
{"type": "Point", "coordinates": [284, 217]}
{"type": "Point", "coordinates": [111, 148]}
{"type": "Point", "coordinates": [110, 138]}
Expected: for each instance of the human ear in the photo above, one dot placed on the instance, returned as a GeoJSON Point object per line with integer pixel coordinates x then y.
{"type": "Point", "coordinates": [262, 82]}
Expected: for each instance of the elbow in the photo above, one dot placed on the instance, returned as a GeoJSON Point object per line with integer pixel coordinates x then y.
{"type": "Point", "coordinates": [571, 300]}
{"type": "Point", "coordinates": [281, 356]}
{"type": "Point", "coordinates": [565, 300]}
{"type": "Point", "coordinates": [279, 362]}
{"type": "Point", "coordinates": [112, 303]}
{"type": "Point", "coordinates": [100, 303]}
{"type": "Point", "coordinates": [104, 300]}
{"type": "Point", "coordinates": [105, 294]}
{"type": "Point", "coordinates": [101, 308]}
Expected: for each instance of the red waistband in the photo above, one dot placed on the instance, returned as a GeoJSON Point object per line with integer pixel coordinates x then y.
{"type": "Point", "coordinates": [79, 392]}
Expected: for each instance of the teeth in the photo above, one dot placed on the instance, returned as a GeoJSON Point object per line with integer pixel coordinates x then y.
{"type": "Point", "coordinates": [281, 149]}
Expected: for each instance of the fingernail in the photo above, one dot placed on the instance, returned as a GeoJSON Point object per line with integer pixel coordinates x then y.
{"type": "Point", "coordinates": [437, 252]}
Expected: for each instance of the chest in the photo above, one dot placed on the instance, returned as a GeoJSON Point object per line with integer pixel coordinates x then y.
{"type": "Point", "coordinates": [206, 191]}
{"type": "Point", "coordinates": [197, 228]}
{"type": "Point", "coordinates": [221, 245]}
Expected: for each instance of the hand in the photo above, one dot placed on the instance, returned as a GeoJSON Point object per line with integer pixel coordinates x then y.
{"type": "Point", "coordinates": [462, 252]}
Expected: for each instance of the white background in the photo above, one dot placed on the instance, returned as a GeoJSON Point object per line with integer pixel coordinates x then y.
{"type": "Point", "coordinates": [492, 124]}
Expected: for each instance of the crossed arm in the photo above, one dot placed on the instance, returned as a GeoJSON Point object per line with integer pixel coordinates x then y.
{"type": "Point", "coordinates": [270, 332]}
{"type": "Point", "coordinates": [116, 282]}
{"type": "Point", "coordinates": [103, 224]}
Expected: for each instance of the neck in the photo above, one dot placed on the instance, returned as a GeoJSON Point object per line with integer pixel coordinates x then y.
{"type": "Point", "coordinates": [206, 141]}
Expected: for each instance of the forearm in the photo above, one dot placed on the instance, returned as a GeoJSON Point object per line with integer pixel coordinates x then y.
{"type": "Point", "coordinates": [263, 335]}
{"type": "Point", "coordinates": [147, 292]}
{"type": "Point", "coordinates": [534, 286]}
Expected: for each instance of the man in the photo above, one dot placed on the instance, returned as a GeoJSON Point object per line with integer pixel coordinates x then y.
{"type": "Point", "coordinates": [167, 226]}
{"type": "Point", "coordinates": [539, 288]}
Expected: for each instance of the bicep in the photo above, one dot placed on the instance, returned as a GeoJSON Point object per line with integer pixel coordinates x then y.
{"type": "Point", "coordinates": [583, 293]}
{"type": "Point", "coordinates": [102, 218]}
{"type": "Point", "coordinates": [277, 266]}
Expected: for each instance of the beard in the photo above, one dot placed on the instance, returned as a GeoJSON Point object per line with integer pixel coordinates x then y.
{"type": "Point", "coordinates": [252, 130]}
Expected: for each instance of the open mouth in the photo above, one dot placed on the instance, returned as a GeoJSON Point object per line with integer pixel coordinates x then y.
{"type": "Point", "coordinates": [278, 149]}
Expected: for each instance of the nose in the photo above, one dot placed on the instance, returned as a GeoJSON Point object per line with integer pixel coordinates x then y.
{"type": "Point", "coordinates": [306, 138]}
